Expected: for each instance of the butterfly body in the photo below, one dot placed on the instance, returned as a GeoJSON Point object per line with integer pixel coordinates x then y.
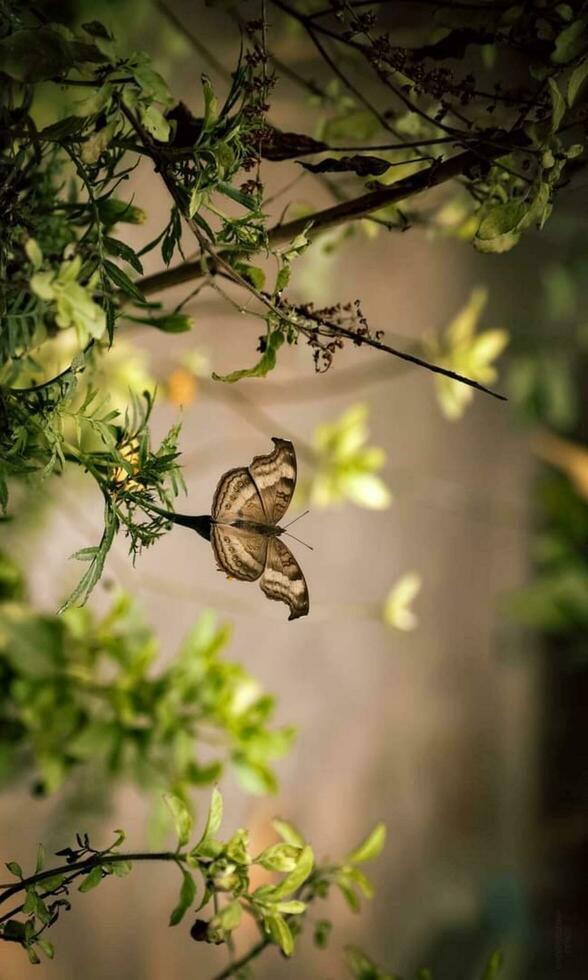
{"type": "Point", "coordinates": [269, 530]}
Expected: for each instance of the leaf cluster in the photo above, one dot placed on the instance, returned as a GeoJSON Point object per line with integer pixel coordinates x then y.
{"type": "Point", "coordinates": [82, 698]}
{"type": "Point", "coordinates": [215, 882]}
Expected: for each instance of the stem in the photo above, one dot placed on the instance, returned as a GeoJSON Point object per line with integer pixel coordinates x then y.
{"type": "Point", "coordinates": [85, 866]}
{"type": "Point", "coordinates": [338, 214]}
{"type": "Point", "coordinates": [252, 954]}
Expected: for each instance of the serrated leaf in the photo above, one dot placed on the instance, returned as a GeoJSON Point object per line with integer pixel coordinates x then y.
{"type": "Point", "coordinates": [182, 817]}
{"type": "Point", "coordinates": [187, 896]}
{"type": "Point", "coordinates": [370, 847]}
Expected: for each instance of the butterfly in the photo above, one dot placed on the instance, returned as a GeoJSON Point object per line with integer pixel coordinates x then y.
{"type": "Point", "coordinates": [244, 531]}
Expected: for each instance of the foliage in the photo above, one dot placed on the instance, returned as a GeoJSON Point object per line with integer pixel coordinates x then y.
{"type": "Point", "coordinates": [397, 610]}
{"type": "Point", "coordinates": [215, 879]}
{"type": "Point", "coordinates": [465, 351]}
{"type": "Point", "coordinates": [67, 268]}
{"type": "Point", "coordinates": [82, 695]}
{"type": "Point", "coordinates": [555, 601]}
{"type": "Point", "coordinates": [442, 118]}
{"type": "Point", "coordinates": [345, 468]}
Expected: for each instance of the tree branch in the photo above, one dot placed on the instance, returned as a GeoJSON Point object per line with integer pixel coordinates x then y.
{"type": "Point", "coordinates": [338, 214]}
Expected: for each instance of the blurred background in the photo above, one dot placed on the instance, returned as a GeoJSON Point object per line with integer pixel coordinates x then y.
{"type": "Point", "coordinates": [440, 683]}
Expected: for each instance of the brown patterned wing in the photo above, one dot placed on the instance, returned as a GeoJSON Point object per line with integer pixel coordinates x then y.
{"type": "Point", "coordinates": [237, 496]}
{"type": "Point", "coordinates": [275, 478]}
{"type": "Point", "coordinates": [240, 553]}
{"type": "Point", "coordinates": [283, 579]}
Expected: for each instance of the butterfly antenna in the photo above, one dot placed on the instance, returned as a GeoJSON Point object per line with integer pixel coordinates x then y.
{"type": "Point", "coordinates": [304, 513]}
{"type": "Point", "coordinates": [309, 546]}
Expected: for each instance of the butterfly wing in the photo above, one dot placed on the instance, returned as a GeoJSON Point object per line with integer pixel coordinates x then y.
{"type": "Point", "coordinates": [275, 478]}
{"type": "Point", "coordinates": [283, 579]}
{"type": "Point", "coordinates": [239, 552]}
{"type": "Point", "coordinates": [237, 497]}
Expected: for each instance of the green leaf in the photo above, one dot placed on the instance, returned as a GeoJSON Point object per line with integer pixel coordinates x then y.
{"type": "Point", "coordinates": [322, 931]}
{"type": "Point", "coordinates": [92, 880]}
{"type": "Point", "coordinates": [215, 816]}
{"type": "Point", "coordinates": [92, 575]}
{"type": "Point", "coordinates": [95, 29]}
{"type": "Point", "coordinates": [182, 817]}
{"type": "Point", "coordinates": [112, 210]}
{"type": "Point", "coordinates": [210, 104]}
{"type": "Point", "coordinates": [279, 857]}
{"type": "Point", "coordinates": [266, 363]}
{"type": "Point", "coordinates": [47, 947]}
{"type": "Point", "coordinates": [570, 42]}
{"type": "Point", "coordinates": [246, 200]}
{"type": "Point", "coordinates": [53, 881]}
{"type": "Point", "coordinates": [40, 863]}
{"type": "Point", "coordinates": [34, 253]}
{"type": "Point", "coordinates": [282, 279]}
{"type": "Point", "coordinates": [498, 228]}
{"type": "Point", "coordinates": [252, 273]}
{"type": "Point", "coordinates": [576, 81]}
{"type": "Point", "coordinates": [370, 847]}
{"type": "Point", "coordinates": [293, 907]}
{"type": "Point", "coordinates": [228, 918]}
{"type": "Point", "coordinates": [297, 877]}
{"type": "Point", "coordinates": [155, 123]}
{"type": "Point", "coordinates": [123, 251]}
{"type": "Point", "coordinates": [187, 896]}
{"type": "Point", "coordinates": [558, 105]}
{"type": "Point", "coordinates": [280, 932]}
{"type": "Point", "coordinates": [14, 868]}
{"type": "Point", "coordinates": [494, 966]}
{"type": "Point", "coordinates": [168, 323]}
{"type": "Point", "coordinates": [34, 55]}
{"type": "Point", "coordinates": [152, 83]}
{"type": "Point", "coordinates": [121, 868]}
{"type": "Point", "coordinates": [122, 281]}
